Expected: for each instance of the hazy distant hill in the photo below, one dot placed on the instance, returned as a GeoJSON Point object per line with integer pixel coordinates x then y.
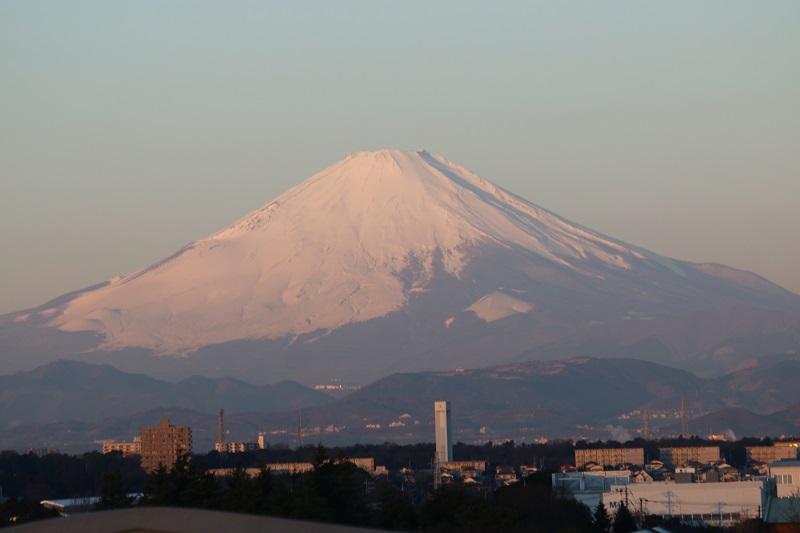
{"type": "Point", "coordinates": [740, 422]}
{"type": "Point", "coordinates": [579, 398]}
{"type": "Point", "coordinates": [69, 390]}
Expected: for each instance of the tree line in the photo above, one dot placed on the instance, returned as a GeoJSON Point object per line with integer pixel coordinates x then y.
{"type": "Point", "coordinates": [334, 490]}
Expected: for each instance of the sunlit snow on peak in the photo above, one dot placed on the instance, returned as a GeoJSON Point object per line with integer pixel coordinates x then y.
{"type": "Point", "coordinates": [349, 244]}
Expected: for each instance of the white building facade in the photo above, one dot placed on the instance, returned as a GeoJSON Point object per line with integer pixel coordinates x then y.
{"type": "Point", "coordinates": [720, 504]}
{"type": "Point", "coordinates": [786, 474]}
{"type": "Point", "coordinates": [444, 437]}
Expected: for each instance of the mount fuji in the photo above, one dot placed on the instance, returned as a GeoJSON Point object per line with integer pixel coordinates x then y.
{"type": "Point", "coordinates": [393, 261]}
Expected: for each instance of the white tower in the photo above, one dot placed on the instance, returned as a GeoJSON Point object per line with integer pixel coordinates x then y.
{"type": "Point", "coordinates": [444, 439]}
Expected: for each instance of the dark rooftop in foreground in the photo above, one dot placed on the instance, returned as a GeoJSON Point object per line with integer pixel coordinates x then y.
{"type": "Point", "coordinates": [176, 520]}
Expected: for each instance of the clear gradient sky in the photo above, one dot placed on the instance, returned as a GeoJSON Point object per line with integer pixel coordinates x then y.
{"type": "Point", "coordinates": [130, 128]}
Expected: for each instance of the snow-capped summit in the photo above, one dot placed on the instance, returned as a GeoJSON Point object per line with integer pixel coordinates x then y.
{"type": "Point", "coordinates": [403, 245]}
{"type": "Point", "coordinates": [348, 245]}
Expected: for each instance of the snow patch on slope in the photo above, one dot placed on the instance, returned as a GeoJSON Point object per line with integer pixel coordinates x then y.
{"type": "Point", "coordinates": [497, 305]}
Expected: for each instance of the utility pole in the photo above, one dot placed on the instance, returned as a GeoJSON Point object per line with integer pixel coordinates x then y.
{"type": "Point", "coordinates": [641, 513]}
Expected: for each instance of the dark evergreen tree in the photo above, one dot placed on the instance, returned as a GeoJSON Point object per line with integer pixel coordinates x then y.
{"type": "Point", "coordinates": [340, 485]}
{"type": "Point", "coordinates": [114, 494]}
{"type": "Point", "coordinates": [394, 510]}
{"type": "Point", "coordinates": [601, 521]}
{"type": "Point", "coordinates": [306, 503]}
{"type": "Point", "coordinates": [241, 496]}
{"type": "Point", "coordinates": [262, 488]}
{"type": "Point", "coordinates": [204, 491]}
{"type": "Point", "coordinates": [624, 521]}
{"type": "Point", "coordinates": [440, 511]}
{"type": "Point", "coordinates": [533, 506]}
{"type": "Point", "coordinates": [280, 499]}
{"type": "Point", "coordinates": [158, 488]}
{"type": "Point", "coordinates": [180, 478]}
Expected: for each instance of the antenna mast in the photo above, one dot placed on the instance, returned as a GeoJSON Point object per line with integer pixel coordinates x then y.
{"type": "Point", "coordinates": [221, 432]}
{"type": "Point", "coordinates": [300, 427]}
{"type": "Point", "coordinates": [684, 420]}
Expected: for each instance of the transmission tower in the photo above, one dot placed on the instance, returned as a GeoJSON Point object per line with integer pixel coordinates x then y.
{"type": "Point", "coordinates": [300, 427]}
{"type": "Point", "coordinates": [221, 432]}
{"type": "Point", "coordinates": [684, 420]}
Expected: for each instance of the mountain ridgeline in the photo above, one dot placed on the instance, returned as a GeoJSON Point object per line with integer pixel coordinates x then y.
{"type": "Point", "coordinates": [395, 261]}
{"type": "Point", "coordinates": [70, 405]}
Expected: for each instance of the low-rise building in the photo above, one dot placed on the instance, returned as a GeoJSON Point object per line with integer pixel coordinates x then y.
{"type": "Point", "coordinates": [505, 474]}
{"type": "Point", "coordinates": [364, 463]}
{"type": "Point", "coordinates": [480, 466]}
{"type": "Point", "coordinates": [589, 487]}
{"type": "Point", "coordinates": [786, 474]}
{"type": "Point", "coordinates": [72, 506]}
{"type": "Point", "coordinates": [236, 447]}
{"type": "Point", "coordinates": [782, 515]}
{"type": "Point", "coordinates": [127, 448]}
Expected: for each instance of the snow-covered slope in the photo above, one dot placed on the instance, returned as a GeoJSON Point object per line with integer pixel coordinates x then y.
{"type": "Point", "coordinates": [349, 244]}
{"type": "Point", "coordinates": [394, 261]}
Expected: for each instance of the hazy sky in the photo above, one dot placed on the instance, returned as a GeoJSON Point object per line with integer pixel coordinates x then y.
{"type": "Point", "coordinates": [130, 128]}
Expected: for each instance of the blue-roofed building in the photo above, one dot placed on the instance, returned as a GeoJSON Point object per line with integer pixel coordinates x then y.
{"type": "Point", "coordinates": [72, 506]}
{"type": "Point", "coordinates": [782, 515]}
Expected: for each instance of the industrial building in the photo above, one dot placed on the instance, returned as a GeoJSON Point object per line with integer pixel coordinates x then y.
{"type": "Point", "coordinates": [694, 503]}
{"type": "Point", "coordinates": [720, 504]}
{"type": "Point", "coordinates": [588, 487]}
{"type": "Point", "coordinates": [164, 444]}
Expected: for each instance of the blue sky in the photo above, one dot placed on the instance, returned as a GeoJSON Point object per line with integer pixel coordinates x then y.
{"type": "Point", "coordinates": [128, 129]}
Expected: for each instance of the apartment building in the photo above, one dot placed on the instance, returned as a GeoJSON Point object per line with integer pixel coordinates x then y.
{"type": "Point", "coordinates": [609, 456]}
{"type": "Point", "coordinates": [164, 444]}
